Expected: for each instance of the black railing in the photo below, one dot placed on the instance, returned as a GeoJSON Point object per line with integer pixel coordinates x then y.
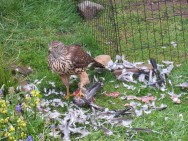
{"type": "Point", "coordinates": [143, 29]}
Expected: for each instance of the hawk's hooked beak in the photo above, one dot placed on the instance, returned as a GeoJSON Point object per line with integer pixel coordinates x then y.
{"type": "Point", "coordinates": [50, 49]}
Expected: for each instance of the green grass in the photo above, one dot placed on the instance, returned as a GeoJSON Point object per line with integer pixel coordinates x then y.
{"type": "Point", "coordinates": [142, 32]}
{"type": "Point", "coordinates": [171, 129]}
{"type": "Point", "coordinates": [28, 26]}
{"type": "Point", "coordinates": [148, 31]}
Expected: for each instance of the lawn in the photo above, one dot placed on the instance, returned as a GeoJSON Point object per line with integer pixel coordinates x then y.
{"type": "Point", "coordinates": [26, 29]}
{"type": "Point", "coordinates": [144, 29]}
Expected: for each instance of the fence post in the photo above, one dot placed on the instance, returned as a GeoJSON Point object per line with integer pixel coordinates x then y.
{"type": "Point", "coordinates": [116, 47]}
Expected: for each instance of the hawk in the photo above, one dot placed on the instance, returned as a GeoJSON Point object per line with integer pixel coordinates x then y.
{"type": "Point", "coordinates": [70, 60]}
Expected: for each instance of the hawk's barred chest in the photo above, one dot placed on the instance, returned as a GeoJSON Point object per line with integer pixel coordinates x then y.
{"type": "Point", "coordinates": [63, 65]}
{"type": "Point", "coordinates": [68, 59]}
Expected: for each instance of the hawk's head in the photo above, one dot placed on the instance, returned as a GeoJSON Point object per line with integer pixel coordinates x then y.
{"type": "Point", "coordinates": [55, 46]}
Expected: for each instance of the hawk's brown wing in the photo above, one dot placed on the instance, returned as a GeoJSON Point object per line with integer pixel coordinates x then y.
{"type": "Point", "coordinates": [79, 57]}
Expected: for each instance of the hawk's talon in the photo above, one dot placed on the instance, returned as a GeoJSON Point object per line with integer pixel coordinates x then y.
{"type": "Point", "coordinates": [79, 94]}
{"type": "Point", "coordinates": [68, 96]}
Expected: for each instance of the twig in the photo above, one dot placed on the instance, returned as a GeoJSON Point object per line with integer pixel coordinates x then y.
{"type": "Point", "coordinates": [17, 56]}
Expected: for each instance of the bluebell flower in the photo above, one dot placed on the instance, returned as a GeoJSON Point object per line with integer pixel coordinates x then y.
{"type": "Point", "coordinates": [1, 92]}
{"type": "Point", "coordinates": [29, 138]}
{"type": "Point", "coordinates": [52, 126]}
{"type": "Point", "coordinates": [18, 108]}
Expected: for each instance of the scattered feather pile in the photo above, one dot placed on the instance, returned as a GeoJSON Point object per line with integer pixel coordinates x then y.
{"type": "Point", "coordinates": [183, 85]}
{"type": "Point", "coordinates": [82, 122]}
{"type": "Point", "coordinates": [77, 120]}
{"type": "Point", "coordinates": [151, 74]}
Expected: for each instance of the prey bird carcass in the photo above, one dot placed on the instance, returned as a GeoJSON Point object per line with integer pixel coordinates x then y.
{"type": "Point", "coordinates": [89, 93]}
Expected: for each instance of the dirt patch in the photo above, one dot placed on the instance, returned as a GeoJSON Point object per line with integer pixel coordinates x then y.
{"type": "Point", "coordinates": [178, 7]}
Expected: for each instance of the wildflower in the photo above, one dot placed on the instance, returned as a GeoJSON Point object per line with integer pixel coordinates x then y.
{"type": "Point", "coordinates": [7, 134]}
{"type": "Point", "coordinates": [11, 129]}
{"type": "Point", "coordinates": [35, 93]}
{"type": "Point", "coordinates": [11, 138]}
{"type": "Point", "coordinates": [24, 106]}
{"type": "Point", "coordinates": [6, 120]}
{"type": "Point", "coordinates": [1, 93]}
{"type": "Point", "coordinates": [18, 108]}
{"type": "Point", "coordinates": [41, 137]}
{"type": "Point", "coordinates": [27, 97]}
{"type": "Point", "coordinates": [37, 100]}
{"type": "Point", "coordinates": [2, 103]}
{"type": "Point", "coordinates": [19, 120]}
{"type": "Point", "coordinates": [11, 90]}
{"type": "Point", "coordinates": [52, 126]}
{"type": "Point", "coordinates": [21, 123]}
{"type": "Point", "coordinates": [3, 107]}
{"type": "Point", "coordinates": [3, 111]}
{"type": "Point", "coordinates": [29, 138]}
{"type": "Point", "coordinates": [1, 121]}
{"type": "Point", "coordinates": [23, 135]}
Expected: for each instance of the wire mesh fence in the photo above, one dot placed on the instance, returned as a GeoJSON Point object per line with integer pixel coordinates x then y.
{"type": "Point", "coordinates": [143, 29]}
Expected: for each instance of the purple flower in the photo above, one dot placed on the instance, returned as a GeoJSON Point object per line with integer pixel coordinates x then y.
{"type": "Point", "coordinates": [29, 138]}
{"type": "Point", "coordinates": [52, 126]}
{"type": "Point", "coordinates": [1, 92]}
{"type": "Point", "coordinates": [18, 108]}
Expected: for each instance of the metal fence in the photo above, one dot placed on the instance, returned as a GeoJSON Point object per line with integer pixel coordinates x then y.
{"type": "Point", "coordinates": [143, 29]}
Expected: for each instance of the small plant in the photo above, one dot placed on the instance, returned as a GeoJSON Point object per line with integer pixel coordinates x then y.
{"type": "Point", "coordinates": [19, 118]}
{"type": "Point", "coordinates": [6, 78]}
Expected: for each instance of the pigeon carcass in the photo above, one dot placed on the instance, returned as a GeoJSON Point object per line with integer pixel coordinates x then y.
{"type": "Point", "coordinates": [87, 99]}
